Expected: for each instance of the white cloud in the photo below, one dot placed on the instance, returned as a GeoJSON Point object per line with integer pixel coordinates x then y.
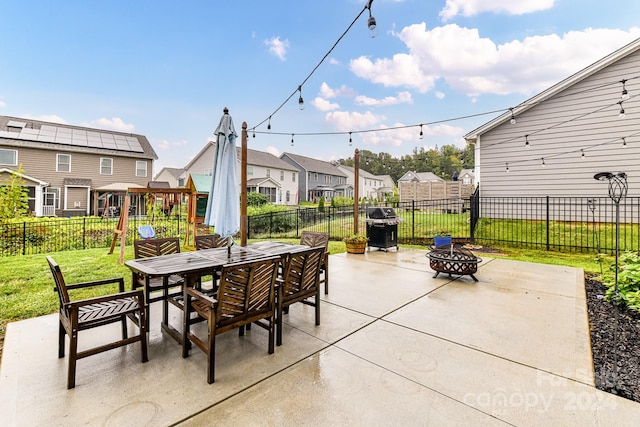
{"type": "Point", "coordinates": [115, 124]}
{"type": "Point", "coordinates": [345, 121]}
{"type": "Point", "coordinates": [475, 65]}
{"type": "Point", "coordinates": [474, 7]}
{"type": "Point", "coordinates": [439, 95]}
{"type": "Point", "coordinates": [166, 145]}
{"type": "Point", "coordinates": [52, 118]}
{"type": "Point", "coordinates": [334, 61]}
{"type": "Point", "coordinates": [402, 98]}
{"type": "Point", "coordinates": [273, 150]}
{"type": "Point", "coordinates": [328, 92]}
{"type": "Point", "coordinates": [324, 105]}
{"type": "Point", "coordinates": [3, 104]}
{"type": "Point", "coordinates": [278, 47]}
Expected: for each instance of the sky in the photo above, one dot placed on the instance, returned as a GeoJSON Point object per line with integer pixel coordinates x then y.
{"type": "Point", "coordinates": [167, 69]}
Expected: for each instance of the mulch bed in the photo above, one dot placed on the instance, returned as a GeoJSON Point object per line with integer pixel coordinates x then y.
{"type": "Point", "coordinates": [615, 343]}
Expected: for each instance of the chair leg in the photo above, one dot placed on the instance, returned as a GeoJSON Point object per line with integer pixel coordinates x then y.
{"type": "Point", "coordinates": [73, 353]}
{"type": "Point", "coordinates": [186, 324]}
{"type": "Point", "coordinates": [279, 324]}
{"type": "Point", "coordinates": [61, 335]}
{"type": "Point", "coordinates": [125, 334]}
{"type": "Point", "coordinates": [143, 336]}
{"type": "Point", "coordinates": [317, 298]}
{"type": "Point", "coordinates": [326, 278]}
{"type": "Point", "coordinates": [211, 349]}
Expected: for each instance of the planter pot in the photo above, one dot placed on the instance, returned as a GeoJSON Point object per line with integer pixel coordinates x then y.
{"type": "Point", "coordinates": [441, 240]}
{"type": "Point", "coordinates": [356, 247]}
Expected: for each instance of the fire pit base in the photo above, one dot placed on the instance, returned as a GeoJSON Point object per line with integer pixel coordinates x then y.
{"type": "Point", "coordinates": [453, 259]}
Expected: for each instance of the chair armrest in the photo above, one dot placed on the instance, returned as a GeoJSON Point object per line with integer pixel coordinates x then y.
{"type": "Point", "coordinates": [130, 294]}
{"type": "Point", "coordinates": [202, 297]}
{"type": "Point", "coordinates": [118, 280]}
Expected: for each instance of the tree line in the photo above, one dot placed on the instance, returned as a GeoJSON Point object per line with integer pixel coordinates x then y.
{"type": "Point", "coordinates": [444, 161]}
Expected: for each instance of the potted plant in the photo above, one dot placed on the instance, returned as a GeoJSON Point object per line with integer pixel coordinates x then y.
{"type": "Point", "coordinates": [442, 237]}
{"type": "Point", "coordinates": [356, 243]}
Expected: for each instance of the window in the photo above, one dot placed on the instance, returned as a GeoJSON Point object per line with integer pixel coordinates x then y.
{"type": "Point", "coordinates": [281, 175]}
{"type": "Point", "coordinates": [315, 176]}
{"type": "Point", "coordinates": [288, 195]}
{"type": "Point", "coordinates": [141, 168]}
{"type": "Point", "coordinates": [268, 173]}
{"type": "Point", "coordinates": [9, 157]}
{"type": "Point", "coordinates": [208, 172]}
{"type": "Point", "coordinates": [180, 182]}
{"type": "Point", "coordinates": [249, 170]}
{"type": "Point", "coordinates": [293, 177]}
{"type": "Point", "coordinates": [51, 197]}
{"type": "Point", "coordinates": [106, 166]}
{"type": "Point", "coordinates": [327, 178]}
{"type": "Point", "coordinates": [63, 163]}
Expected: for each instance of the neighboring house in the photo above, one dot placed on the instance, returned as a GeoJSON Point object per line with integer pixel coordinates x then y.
{"type": "Point", "coordinates": [566, 134]}
{"type": "Point", "coordinates": [266, 173]}
{"type": "Point", "coordinates": [174, 176]}
{"type": "Point", "coordinates": [467, 176]}
{"type": "Point", "coordinates": [369, 185]}
{"type": "Point", "coordinates": [318, 178]}
{"type": "Point", "coordinates": [387, 188]}
{"type": "Point", "coordinates": [72, 170]}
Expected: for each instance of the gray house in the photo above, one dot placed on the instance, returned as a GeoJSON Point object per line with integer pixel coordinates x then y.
{"type": "Point", "coordinates": [554, 142]}
{"type": "Point", "coordinates": [318, 178]}
{"type": "Point", "coordinates": [174, 176]}
{"type": "Point", "coordinates": [73, 170]}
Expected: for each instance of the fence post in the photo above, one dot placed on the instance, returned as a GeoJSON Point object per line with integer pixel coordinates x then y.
{"type": "Point", "coordinates": [84, 231]}
{"type": "Point", "coordinates": [413, 221]}
{"type": "Point", "coordinates": [547, 222]}
{"type": "Point", "coordinates": [329, 221]}
{"type": "Point", "coordinates": [24, 237]}
{"type": "Point", "coordinates": [270, 224]}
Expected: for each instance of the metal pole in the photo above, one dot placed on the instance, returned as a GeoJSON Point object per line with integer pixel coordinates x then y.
{"type": "Point", "coordinates": [243, 187]}
{"type": "Point", "coordinates": [356, 189]}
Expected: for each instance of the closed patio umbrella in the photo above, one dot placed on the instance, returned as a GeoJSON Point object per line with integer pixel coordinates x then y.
{"type": "Point", "coordinates": [223, 204]}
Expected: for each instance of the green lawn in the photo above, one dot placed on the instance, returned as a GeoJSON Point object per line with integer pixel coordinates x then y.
{"type": "Point", "coordinates": [26, 285]}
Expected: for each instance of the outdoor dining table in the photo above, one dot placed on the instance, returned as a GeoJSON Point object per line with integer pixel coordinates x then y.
{"type": "Point", "coordinates": [195, 264]}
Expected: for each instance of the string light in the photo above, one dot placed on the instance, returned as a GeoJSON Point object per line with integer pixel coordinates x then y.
{"type": "Point", "coordinates": [543, 163]}
{"type": "Point", "coordinates": [507, 167]}
{"type": "Point", "coordinates": [351, 141]}
{"type": "Point", "coordinates": [292, 140]}
{"type": "Point", "coordinates": [526, 141]}
{"type": "Point", "coordinates": [624, 142]}
{"type": "Point", "coordinates": [421, 134]}
{"type": "Point", "coordinates": [513, 118]}
{"type": "Point", "coordinates": [254, 132]}
{"type": "Point", "coordinates": [300, 100]}
{"type": "Point", "coordinates": [621, 115]}
{"type": "Point", "coordinates": [582, 155]}
{"type": "Point", "coordinates": [269, 124]}
{"type": "Point", "coordinates": [625, 93]}
{"type": "Point", "coordinates": [371, 22]}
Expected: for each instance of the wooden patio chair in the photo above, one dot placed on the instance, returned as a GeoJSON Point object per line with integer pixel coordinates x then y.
{"type": "Point", "coordinates": [246, 294]}
{"type": "Point", "coordinates": [317, 238]}
{"type": "Point", "coordinates": [209, 241]}
{"type": "Point", "coordinates": [300, 282]}
{"type": "Point", "coordinates": [157, 247]}
{"type": "Point", "coordinates": [89, 313]}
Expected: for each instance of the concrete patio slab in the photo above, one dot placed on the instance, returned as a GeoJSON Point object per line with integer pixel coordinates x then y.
{"type": "Point", "coordinates": [395, 347]}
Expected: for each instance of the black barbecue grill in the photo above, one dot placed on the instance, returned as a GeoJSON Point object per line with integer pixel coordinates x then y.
{"type": "Point", "coordinates": [382, 227]}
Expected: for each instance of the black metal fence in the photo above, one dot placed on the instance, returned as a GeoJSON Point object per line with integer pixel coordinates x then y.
{"type": "Point", "coordinates": [568, 224]}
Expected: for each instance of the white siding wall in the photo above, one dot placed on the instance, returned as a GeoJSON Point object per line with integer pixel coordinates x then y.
{"type": "Point", "coordinates": [582, 117]}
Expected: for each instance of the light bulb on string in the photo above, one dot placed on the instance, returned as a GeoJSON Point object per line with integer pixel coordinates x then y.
{"type": "Point", "coordinates": [621, 115]}
{"type": "Point", "coordinates": [625, 93]}
{"type": "Point", "coordinates": [582, 155]}
{"type": "Point", "coordinates": [350, 140]}
{"type": "Point", "coordinates": [292, 140]}
{"type": "Point", "coordinates": [507, 167]}
{"type": "Point", "coordinates": [421, 134]}
{"type": "Point", "coordinates": [254, 132]}
{"type": "Point", "coordinates": [300, 100]}
{"type": "Point", "coordinates": [624, 142]}
{"type": "Point", "coordinates": [526, 141]}
{"type": "Point", "coordinates": [543, 163]}
{"type": "Point", "coordinates": [371, 22]}
{"type": "Point", "coordinates": [269, 124]}
{"type": "Point", "coordinates": [513, 117]}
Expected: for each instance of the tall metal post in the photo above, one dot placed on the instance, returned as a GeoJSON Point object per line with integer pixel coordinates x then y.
{"type": "Point", "coordinates": [243, 188]}
{"type": "Point", "coordinates": [356, 190]}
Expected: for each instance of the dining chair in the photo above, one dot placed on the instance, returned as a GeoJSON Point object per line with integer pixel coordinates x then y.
{"type": "Point", "coordinates": [318, 238]}
{"type": "Point", "coordinates": [246, 295]}
{"type": "Point", "coordinates": [209, 241]}
{"type": "Point", "coordinates": [88, 313]}
{"type": "Point", "coordinates": [299, 283]}
{"type": "Point", "coordinates": [151, 248]}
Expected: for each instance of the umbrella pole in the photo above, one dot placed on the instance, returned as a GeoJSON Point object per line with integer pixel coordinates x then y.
{"type": "Point", "coordinates": [243, 188]}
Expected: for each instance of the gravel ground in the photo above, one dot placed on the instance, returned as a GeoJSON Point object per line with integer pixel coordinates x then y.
{"type": "Point", "coordinates": [615, 342]}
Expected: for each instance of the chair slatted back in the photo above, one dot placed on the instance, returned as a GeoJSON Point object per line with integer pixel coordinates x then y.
{"type": "Point", "coordinates": [209, 241]}
{"type": "Point", "coordinates": [156, 247]}
{"type": "Point", "coordinates": [61, 286]}
{"type": "Point", "coordinates": [315, 238]}
{"type": "Point", "coordinates": [246, 290]}
{"type": "Point", "coordinates": [301, 274]}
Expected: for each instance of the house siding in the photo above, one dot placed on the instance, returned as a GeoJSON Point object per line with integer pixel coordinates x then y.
{"type": "Point", "coordinates": [581, 118]}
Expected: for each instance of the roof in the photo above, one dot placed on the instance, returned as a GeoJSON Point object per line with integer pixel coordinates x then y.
{"type": "Point", "coordinates": [254, 158]}
{"type": "Point", "coordinates": [174, 172]}
{"type": "Point", "coordinates": [314, 165]}
{"type": "Point", "coordinates": [467, 172]}
{"type": "Point", "coordinates": [555, 89]}
{"type": "Point", "coordinates": [158, 184]}
{"type": "Point", "coordinates": [19, 132]}
{"type": "Point", "coordinates": [259, 181]}
{"type": "Point", "coordinates": [199, 182]}
{"type": "Point", "coordinates": [23, 176]}
{"type": "Point", "coordinates": [363, 173]}
{"type": "Point", "coordinates": [118, 187]}
{"type": "Point", "coordinates": [420, 176]}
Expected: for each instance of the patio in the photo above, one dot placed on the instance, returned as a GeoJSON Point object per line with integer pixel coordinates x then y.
{"type": "Point", "coordinates": [395, 347]}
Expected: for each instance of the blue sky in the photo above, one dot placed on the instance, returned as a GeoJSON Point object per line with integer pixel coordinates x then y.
{"type": "Point", "coordinates": [166, 69]}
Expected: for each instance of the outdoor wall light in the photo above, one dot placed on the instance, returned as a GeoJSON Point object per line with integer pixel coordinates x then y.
{"type": "Point", "coordinates": [371, 22]}
{"type": "Point", "coordinates": [625, 94]}
{"type": "Point", "coordinates": [621, 115]}
{"type": "Point", "coordinates": [300, 100]}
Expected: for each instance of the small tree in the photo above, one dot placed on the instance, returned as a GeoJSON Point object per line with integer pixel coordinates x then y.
{"type": "Point", "coordinates": [321, 204]}
{"type": "Point", "coordinates": [14, 196]}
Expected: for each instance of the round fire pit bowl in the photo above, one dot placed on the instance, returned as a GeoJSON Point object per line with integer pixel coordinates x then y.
{"type": "Point", "coordinates": [453, 259]}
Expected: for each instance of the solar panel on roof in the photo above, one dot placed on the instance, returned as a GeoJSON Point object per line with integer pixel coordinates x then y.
{"type": "Point", "coordinates": [15, 124]}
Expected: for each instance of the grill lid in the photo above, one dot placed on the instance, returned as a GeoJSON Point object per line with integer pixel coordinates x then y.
{"type": "Point", "coordinates": [381, 213]}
